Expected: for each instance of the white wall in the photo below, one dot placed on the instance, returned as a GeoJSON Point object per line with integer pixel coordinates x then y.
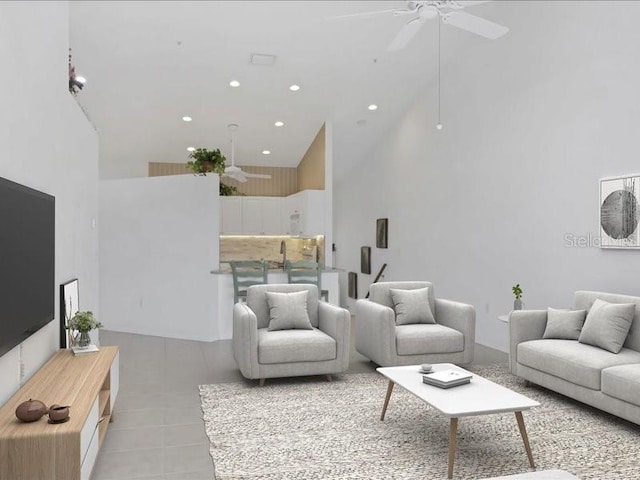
{"type": "Point", "coordinates": [47, 143]}
{"type": "Point", "coordinates": [532, 121]}
{"type": "Point", "coordinates": [158, 245]}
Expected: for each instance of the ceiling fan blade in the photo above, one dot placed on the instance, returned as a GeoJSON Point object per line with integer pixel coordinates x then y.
{"type": "Point", "coordinates": [237, 176]}
{"type": "Point", "coordinates": [367, 14]}
{"type": "Point", "coordinates": [257, 175]}
{"type": "Point", "coordinates": [473, 24]}
{"type": "Point", "coordinates": [406, 33]}
{"type": "Point", "coordinates": [466, 3]}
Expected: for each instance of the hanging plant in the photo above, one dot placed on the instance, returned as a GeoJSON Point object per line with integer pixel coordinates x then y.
{"type": "Point", "coordinates": [210, 161]}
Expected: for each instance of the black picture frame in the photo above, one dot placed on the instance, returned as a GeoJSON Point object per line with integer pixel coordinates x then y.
{"type": "Point", "coordinates": [365, 260]}
{"type": "Point", "coordinates": [353, 285]}
{"type": "Point", "coordinates": [69, 306]}
{"type": "Point", "coordinates": [382, 227]}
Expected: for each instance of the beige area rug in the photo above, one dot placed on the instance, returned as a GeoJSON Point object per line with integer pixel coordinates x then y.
{"type": "Point", "coordinates": [309, 428]}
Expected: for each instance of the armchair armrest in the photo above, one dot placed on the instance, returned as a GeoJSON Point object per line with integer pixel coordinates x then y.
{"type": "Point", "coordinates": [375, 331]}
{"type": "Point", "coordinates": [524, 325]}
{"type": "Point", "coordinates": [245, 340]}
{"type": "Point", "coordinates": [460, 317]}
{"type": "Point", "coordinates": [336, 322]}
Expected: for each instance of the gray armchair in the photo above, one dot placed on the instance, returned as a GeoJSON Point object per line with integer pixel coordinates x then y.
{"type": "Point", "coordinates": [450, 340]}
{"type": "Point", "coordinates": [261, 354]}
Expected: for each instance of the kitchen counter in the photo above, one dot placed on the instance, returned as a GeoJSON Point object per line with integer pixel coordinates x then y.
{"type": "Point", "coordinates": [227, 270]}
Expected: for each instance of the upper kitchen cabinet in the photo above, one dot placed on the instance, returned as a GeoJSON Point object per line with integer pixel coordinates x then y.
{"type": "Point", "coordinates": [304, 213]}
{"type": "Point", "coordinates": [261, 216]}
{"type": "Point", "coordinates": [231, 216]}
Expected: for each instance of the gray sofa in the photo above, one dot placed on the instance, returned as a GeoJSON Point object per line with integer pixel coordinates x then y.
{"type": "Point", "coordinates": [597, 377]}
{"type": "Point", "coordinates": [260, 353]}
{"type": "Point", "coordinates": [450, 340]}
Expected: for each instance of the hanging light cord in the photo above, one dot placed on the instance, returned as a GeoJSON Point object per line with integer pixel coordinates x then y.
{"type": "Point", "coordinates": [439, 21]}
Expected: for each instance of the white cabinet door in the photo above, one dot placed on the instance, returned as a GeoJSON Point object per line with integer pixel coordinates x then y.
{"type": "Point", "coordinates": [311, 206]}
{"type": "Point", "coordinates": [271, 216]}
{"type": "Point", "coordinates": [292, 213]}
{"type": "Point", "coordinates": [252, 215]}
{"type": "Point", "coordinates": [231, 215]}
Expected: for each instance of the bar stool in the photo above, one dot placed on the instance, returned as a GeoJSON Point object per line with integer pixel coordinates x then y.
{"type": "Point", "coordinates": [304, 271]}
{"type": "Point", "coordinates": [245, 274]}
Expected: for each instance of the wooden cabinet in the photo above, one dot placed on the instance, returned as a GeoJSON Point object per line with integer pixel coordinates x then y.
{"type": "Point", "coordinates": [65, 451]}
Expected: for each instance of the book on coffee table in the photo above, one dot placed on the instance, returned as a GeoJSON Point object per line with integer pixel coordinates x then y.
{"type": "Point", "coordinates": [447, 378]}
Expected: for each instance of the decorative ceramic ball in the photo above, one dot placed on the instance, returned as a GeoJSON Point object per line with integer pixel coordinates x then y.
{"type": "Point", "coordinates": [58, 413]}
{"type": "Point", "coordinates": [31, 410]}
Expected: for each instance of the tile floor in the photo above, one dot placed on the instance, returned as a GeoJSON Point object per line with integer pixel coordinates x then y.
{"type": "Point", "coordinates": [158, 431]}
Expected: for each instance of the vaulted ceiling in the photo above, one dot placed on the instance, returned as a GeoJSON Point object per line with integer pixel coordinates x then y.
{"type": "Point", "coordinates": [149, 63]}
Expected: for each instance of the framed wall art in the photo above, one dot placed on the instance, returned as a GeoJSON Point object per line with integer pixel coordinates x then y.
{"type": "Point", "coordinates": [365, 260]}
{"type": "Point", "coordinates": [620, 212]}
{"type": "Point", "coordinates": [69, 306]}
{"type": "Point", "coordinates": [353, 285]}
{"type": "Point", "coordinates": [381, 232]}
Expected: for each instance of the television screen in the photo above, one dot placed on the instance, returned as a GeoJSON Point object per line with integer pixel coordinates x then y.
{"type": "Point", "coordinates": [27, 262]}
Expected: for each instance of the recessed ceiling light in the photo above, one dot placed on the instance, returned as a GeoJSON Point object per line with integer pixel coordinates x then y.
{"type": "Point", "coordinates": [279, 124]}
{"type": "Point", "coordinates": [187, 119]}
{"type": "Point", "coordinates": [372, 107]}
{"type": "Point", "coordinates": [266, 152]}
{"type": "Point", "coordinates": [191, 149]}
{"type": "Point", "coordinates": [234, 83]}
{"type": "Point", "coordinates": [81, 79]}
{"type": "Point", "coordinates": [294, 87]}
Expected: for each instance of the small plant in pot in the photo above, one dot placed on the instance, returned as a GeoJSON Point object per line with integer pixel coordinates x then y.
{"type": "Point", "coordinates": [83, 323]}
{"type": "Point", "coordinates": [210, 161]}
{"type": "Point", "coordinates": [517, 292]}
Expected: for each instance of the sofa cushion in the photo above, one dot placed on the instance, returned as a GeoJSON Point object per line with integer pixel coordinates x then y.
{"type": "Point", "coordinates": [564, 324]}
{"type": "Point", "coordinates": [423, 338]}
{"type": "Point", "coordinates": [622, 382]}
{"type": "Point", "coordinates": [380, 292]}
{"type": "Point", "coordinates": [288, 346]}
{"type": "Point", "coordinates": [412, 306]}
{"type": "Point", "coordinates": [288, 310]}
{"type": "Point", "coordinates": [607, 325]}
{"type": "Point", "coordinates": [572, 361]}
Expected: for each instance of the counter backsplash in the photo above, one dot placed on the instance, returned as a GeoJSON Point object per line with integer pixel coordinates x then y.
{"type": "Point", "coordinates": [256, 247]}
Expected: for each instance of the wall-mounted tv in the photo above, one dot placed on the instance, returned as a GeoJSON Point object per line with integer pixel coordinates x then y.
{"type": "Point", "coordinates": [27, 262]}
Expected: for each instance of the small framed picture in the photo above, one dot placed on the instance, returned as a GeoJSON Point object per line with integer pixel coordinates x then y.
{"type": "Point", "coordinates": [69, 306]}
{"type": "Point", "coordinates": [353, 285]}
{"type": "Point", "coordinates": [365, 260]}
{"type": "Point", "coordinates": [381, 232]}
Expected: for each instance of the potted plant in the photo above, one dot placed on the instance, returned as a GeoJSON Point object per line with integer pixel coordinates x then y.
{"type": "Point", "coordinates": [210, 161]}
{"type": "Point", "coordinates": [83, 323]}
{"type": "Point", "coordinates": [517, 292]}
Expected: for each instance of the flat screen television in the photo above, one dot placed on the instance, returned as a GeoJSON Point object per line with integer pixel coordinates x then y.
{"type": "Point", "coordinates": [27, 262]}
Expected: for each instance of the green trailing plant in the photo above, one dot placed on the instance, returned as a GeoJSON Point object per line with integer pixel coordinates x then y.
{"type": "Point", "coordinates": [517, 291]}
{"type": "Point", "coordinates": [83, 322]}
{"type": "Point", "coordinates": [210, 161]}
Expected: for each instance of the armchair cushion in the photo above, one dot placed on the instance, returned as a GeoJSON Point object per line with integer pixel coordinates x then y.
{"type": "Point", "coordinates": [412, 306]}
{"type": "Point", "coordinates": [381, 292]}
{"type": "Point", "coordinates": [421, 339]}
{"type": "Point", "coordinates": [289, 346]}
{"type": "Point", "coordinates": [564, 324]}
{"type": "Point", "coordinates": [288, 311]}
{"type": "Point", "coordinates": [607, 325]}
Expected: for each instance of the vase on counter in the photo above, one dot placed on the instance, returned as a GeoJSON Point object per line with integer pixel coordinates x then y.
{"type": "Point", "coordinates": [518, 304]}
{"type": "Point", "coordinates": [83, 339]}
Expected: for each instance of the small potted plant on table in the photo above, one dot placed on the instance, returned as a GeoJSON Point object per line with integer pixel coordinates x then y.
{"type": "Point", "coordinates": [517, 292]}
{"type": "Point", "coordinates": [81, 324]}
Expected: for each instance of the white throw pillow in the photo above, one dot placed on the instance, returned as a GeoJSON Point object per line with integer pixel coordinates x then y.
{"type": "Point", "coordinates": [412, 306]}
{"type": "Point", "coordinates": [564, 324]}
{"type": "Point", "coordinates": [607, 325]}
{"type": "Point", "coordinates": [288, 311]}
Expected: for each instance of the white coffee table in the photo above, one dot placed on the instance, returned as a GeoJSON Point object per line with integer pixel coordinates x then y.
{"type": "Point", "coordinates": [480, 397]}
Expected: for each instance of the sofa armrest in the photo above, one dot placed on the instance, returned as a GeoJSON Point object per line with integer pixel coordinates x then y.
{"type": "Point", "coordinates": [375, 331]}
{"type": "Point", "coordinates": [460, 317]}
{"type": "Point", "coordinates": [336, 322]}
{"type": "Point", "coordinates": [245, 340]}
{"type": "Point", "coordinates": [524, 325]}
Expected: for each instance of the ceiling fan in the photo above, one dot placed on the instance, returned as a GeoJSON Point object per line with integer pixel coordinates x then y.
{"type": "Point", "coordinates": [236, 173]}
{"type": "Point", "coordinates": [449, 11]}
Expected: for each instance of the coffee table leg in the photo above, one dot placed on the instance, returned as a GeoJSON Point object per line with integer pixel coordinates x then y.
{"type": "Point", "coordinates": [386, 400]}
{"type": "Point", "coordinates": [525, 438]}
{"type": "Point", "coordinates": [453, 432]}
